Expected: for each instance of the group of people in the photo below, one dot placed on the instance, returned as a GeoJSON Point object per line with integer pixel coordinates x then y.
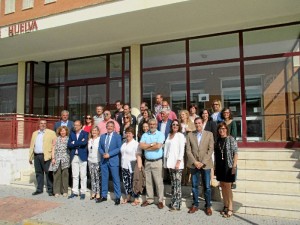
{"type": "Point", "coordinates": [148, 148]}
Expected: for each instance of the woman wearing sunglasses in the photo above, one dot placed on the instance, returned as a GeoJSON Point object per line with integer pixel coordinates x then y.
{"type": "Point", "coordinates": [88, 123]}
{"type": "Point", "coordinates": [173, 160]}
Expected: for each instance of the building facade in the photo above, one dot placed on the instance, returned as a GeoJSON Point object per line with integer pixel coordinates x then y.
{"type": "Point", "coordinates": [77, 54]}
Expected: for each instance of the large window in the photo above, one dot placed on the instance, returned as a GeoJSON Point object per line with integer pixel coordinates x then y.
{"type": "Point", "coordinates": [8, 88]}
{"type": "Point", "coordinates": [259, 81]}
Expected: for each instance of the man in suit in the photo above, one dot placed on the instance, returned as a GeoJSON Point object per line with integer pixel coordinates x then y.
{"type": "Point", "coordinates": [164, 125]}
{"type": "Point", "coordinates": [78, 145]}
{"type": "Point", "coordinates": [40, 151]}
{"type": "Point", "coordinates": [64, 121]}
{"type": "Point", "coordinates": [199, 150]}
{"type": "Point", "coordinates": [109, 148]}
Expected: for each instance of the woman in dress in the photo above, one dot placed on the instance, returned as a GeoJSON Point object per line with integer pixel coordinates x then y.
{"type": "Point", "coordinates": [186, 126]}
{"type": "Point", "coordinates": [130, 155]}
{"type": "Point", "coordinates": [61, 162]}
{"type": "Point", "coordinates": [94, 163]}
{"type": "Point", "coordinates": [193, 112]}
{"type": "Point", "coordinates": [173, 160]}
{"type": "Point", "coordinates": [226, 164]}
{"type": "Point", "coordinates": [228, 119]}
{"type": "Point", "coordinates": [88, 123]}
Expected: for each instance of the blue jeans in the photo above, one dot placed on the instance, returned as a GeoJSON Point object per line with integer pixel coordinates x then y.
{"type": "Point", "coordinates": [205, 175]}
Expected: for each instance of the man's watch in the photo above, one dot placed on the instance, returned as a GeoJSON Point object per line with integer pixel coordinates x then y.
{"type": "Point", "coordinates": [151, 145]}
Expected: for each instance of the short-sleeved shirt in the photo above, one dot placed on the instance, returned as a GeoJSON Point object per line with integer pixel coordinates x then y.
{"type": "Point", "coordinates": [156, 137]}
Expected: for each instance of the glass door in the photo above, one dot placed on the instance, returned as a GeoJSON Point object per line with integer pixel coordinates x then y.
{"type": "Point", "coordinates": [82, 100]}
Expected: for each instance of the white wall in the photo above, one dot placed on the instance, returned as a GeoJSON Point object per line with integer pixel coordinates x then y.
{"type": "Point", "coordinates": [12, 162]}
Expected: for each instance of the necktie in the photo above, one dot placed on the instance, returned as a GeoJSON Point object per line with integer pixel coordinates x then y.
{"type": "Point", "coordinates": [107, 143]}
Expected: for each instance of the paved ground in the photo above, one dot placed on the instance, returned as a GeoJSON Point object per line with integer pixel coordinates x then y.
{"type": "Point", "coordinates": [18, 206]}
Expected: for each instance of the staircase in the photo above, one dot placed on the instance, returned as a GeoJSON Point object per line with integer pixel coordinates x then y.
{"type": "Point", "coordinates": [268, 182]}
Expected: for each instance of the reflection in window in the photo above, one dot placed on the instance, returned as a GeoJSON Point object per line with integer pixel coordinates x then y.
{"type": "Point", "coordinates": [56, 72]}
{"type": "Point", "coordinates": [214, 48]}
{"type": "Point", "coordinates": [115, 65]}
{"type": "Point", "coordinates": [271, 41]}
{"type": "Point", "coordinates": [164, 54]}
{"type": "Point", "coordinates": [170, 83]}
{"type": "Point", "coordinates": [87, 68]}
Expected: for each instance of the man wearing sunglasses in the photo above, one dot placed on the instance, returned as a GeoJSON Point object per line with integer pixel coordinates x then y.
{"type": "Point", "coordinates": [107, 118]}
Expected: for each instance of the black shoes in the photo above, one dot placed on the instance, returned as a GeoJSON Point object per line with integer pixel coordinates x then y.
{"type": "Point", "coordinates": [82, 196]}
{"type": "Point", "coordinates": [102, 199]}
{"type": "Point", "coordinates": [50, 194]}
{"type": "Point", "coordinates": [37, 193]}
{"type": "Point", "coordinates": [117, 202]}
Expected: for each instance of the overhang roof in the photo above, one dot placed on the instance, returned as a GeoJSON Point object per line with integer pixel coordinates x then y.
{"type": "Point", "coordinates": [109, 33]}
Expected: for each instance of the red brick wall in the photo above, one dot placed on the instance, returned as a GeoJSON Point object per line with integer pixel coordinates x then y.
{"type": "Point", "coordinates": [41, 10]}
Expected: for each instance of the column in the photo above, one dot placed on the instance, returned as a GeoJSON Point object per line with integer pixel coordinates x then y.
{"type": "Point", "coordinates": [135, 79]}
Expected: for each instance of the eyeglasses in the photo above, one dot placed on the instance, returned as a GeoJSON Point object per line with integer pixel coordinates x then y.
{"type": "Point", "coordinates": [175, 125]}
{"type": "Point", "coordinates": [125, 117]}
{"type": "Point", "coordinates": [106, 114]}
{"type": "Point", "coordinates": [88, 118]}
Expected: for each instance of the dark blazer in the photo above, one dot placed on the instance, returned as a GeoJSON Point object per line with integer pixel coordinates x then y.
{"type": "Point", "coordinates": [212, 127]}
{"type": "Point", "coordinates": [58, 124]}
{"type": "Point", "coordinates": [80, 144]}
{"type": "Point", "coordinates": [202, 152]}
{"type": "Point", "coordinates": [113, 150]}
{"type": "Point", "coordinates": [168, 127]}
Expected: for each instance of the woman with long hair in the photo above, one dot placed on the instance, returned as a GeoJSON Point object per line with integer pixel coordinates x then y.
{"type": "Point", "coordinates": [173, 160]}
{"type": "Point", "coordinates": [216, 111]}
{"type": "Point", "coordinates": [127, 118]}
{"type": "Point", "coordinates": [147, 114]}
{"type": "Point", "coordinates": [231, 124]}
{"type": "Point", "coordinates": [88, 123]}
{"type": "Point", "coordinates": [226, 166]}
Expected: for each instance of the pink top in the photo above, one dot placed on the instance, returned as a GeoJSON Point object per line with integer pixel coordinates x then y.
{"type": "Point", "coordinates": [172, 116]}
{"type": "Point", "coordinates": [102, 126]}
{"type": "Point", "coordinates": [87, 128]}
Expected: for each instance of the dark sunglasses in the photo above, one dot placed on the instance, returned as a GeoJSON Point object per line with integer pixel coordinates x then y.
{"type": "Point", "coordinates": [175, 124]}
{"type": "Point", "coordinates": [88, 118]}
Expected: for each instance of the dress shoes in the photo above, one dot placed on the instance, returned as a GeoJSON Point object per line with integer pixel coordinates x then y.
{"type": "Point", "coordinates": [73, 196]}
{"type": "Point", "coordinates": [208, 211]}
{"type": "Point", "coordinates": [37, 193]}
{"type": "Point", "coordinates": [193, 209]}
{"type": "Point", "coordinates": [82, 196]}
{"type": "Point", "coordinates": [50, 194]}
{"type": "Point", "coordinates": [102, 199]}
{"type": "Point", "coordinates": [145, 203]}
{"type": "Point", "coordinates": [160, 205]}
{"type": "Point", "coordinates": [117, 202]}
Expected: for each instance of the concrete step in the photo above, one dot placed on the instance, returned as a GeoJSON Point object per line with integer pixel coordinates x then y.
{"type": "Point", "coordinates": [269, 175]}
{"type": "Point", "coordinates": [269, 154]}
{"type": "Point", "coordinates": [266, 204]}
{"type": "Point", "coordinates": [270, 187]}
{"type": "Point", "coordinates": [285, 165]}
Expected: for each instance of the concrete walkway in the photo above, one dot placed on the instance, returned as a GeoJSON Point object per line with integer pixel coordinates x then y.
{"type": "Point", "coordinates": [18, 206]}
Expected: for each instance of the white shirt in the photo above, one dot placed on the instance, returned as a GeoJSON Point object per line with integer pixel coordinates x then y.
{"type": "Point", "coordinates": [163, 127]}
{"type": "Point", "coordinates": [94, 155]}
{"type": "Point", "coordinates": [128, 152]}
{"type": "Point", "coordinates": [174, 150]}
{"type": "Point", "coordinates": [38, 147]}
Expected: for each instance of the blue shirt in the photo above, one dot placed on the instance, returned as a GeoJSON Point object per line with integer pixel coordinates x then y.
{"type": "Point", "coordinates": [157, 137]}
